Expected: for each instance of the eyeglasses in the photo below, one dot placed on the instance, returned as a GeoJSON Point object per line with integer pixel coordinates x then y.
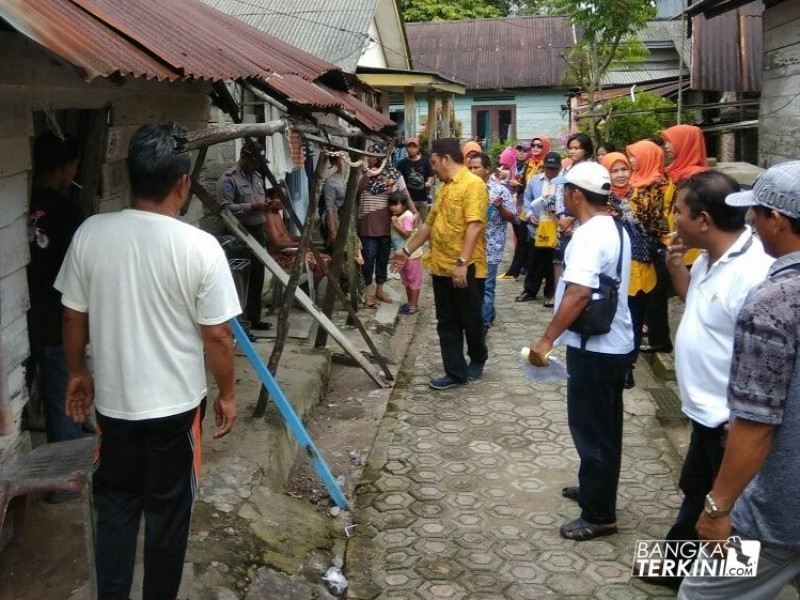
{"type": "Point", "coordinates": [537, 146]}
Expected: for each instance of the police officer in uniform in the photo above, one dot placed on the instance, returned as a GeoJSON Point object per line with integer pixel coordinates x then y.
{"type": "Point", "coordinates": [241, 190]}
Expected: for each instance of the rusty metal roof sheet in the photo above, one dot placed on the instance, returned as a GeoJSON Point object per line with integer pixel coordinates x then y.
{"type": "Point", "coordinates": [727, 50]}
{"type": "Point", "coordinates": [494, 54]}
{"type": "Point", "coordinates": [179, 39]}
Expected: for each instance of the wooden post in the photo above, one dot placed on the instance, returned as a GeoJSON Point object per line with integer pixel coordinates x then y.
{"type": "Point", "coordinates": [261, 254]}
{"type": "Point", "coordinates": [433, 131]}
{"type": "Point", "coordinates": [410, 116]}
{"type": "Point", "coordinates": [339, 246]}
{"type": "Point", "coordinates": [298, 266]}
{"type": "Point", "coordinates": [447, 108]}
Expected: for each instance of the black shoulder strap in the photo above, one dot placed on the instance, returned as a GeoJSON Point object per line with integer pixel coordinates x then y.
{"type": "Point", "coordinates": [621, 251]}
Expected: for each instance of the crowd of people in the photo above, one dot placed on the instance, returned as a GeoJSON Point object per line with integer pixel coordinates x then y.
{"type": "Point", "coordinates": [656, 222]}
{"type": "Point", "coordinates": [653, 221]}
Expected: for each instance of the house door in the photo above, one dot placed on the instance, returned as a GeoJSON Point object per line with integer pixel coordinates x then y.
{"type": "Point", "coordinates": [494, 122]}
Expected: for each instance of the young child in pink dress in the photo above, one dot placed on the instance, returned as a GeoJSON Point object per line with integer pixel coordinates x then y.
{"type": "Point", "coordinates": [403, 230]}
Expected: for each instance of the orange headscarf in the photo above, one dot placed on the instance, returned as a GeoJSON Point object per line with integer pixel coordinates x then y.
{"type": "Point", "coordinates": [469, 147]}
{"type": "Point", "coordinates": [608, 161]}
{"type": "Point", "coordinates": [649, 159]}
{"type": "Point", "coordinates": [545, 147]}
{"type": "Point", "coordinates": [689, 148]}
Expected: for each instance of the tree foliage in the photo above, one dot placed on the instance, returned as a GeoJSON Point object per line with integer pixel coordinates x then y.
{"type": "Point", "coordinates": [622, 126]}
{"type": "Point", "coordinates": [452, 10]}
{"type": "Point", "coordinates": [436, 10]}
{"type": "Point", "coordinates": [606, 34]}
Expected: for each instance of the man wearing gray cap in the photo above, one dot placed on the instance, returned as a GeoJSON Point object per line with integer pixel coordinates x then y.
{"type": "Point", "coordinates": [756, 494]}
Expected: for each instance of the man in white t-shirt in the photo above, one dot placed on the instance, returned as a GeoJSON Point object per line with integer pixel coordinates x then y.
{"type": "Point", "coordinates": [596, 372]}
{"type": "Point", "coordinates": [732, 263]}
{"type": "Point", "coordinates": [153, 293]}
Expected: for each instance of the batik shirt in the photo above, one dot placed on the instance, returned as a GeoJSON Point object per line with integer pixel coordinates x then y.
{"type": "Point", "coordinates": [765, 387]}
{"type": "Point", "coordinates": [495, 223]}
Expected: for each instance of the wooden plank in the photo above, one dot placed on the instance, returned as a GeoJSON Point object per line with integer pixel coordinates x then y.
{"type": "Point", "coordinates": [14, 251]}
{"type": "Point", "coordinates": [15, 337]}
{"type": "Point", "coordinates": [14, 295]}
{"type": "Point", "coordinates": [780, 14]}
{"type": "Point", "coordinates": [14, 193]}
{"type": "Point", "coordinates": [261, 253]}
{"type": "Point", "coordinates": [15, 155]}
{"type": "Point", "coordinates": [16, 119]}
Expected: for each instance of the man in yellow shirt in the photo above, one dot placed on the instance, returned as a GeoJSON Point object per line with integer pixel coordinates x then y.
{"type": "Point", "coordinates": [457, 263]}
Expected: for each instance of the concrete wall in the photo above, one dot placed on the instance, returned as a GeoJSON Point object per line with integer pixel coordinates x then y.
{"type": "Point", "coordinates": [32, 79]}
{"type": "Point", "coordinates": [537, 111]}
{"type": "Point", "coordinates": [779, 118]}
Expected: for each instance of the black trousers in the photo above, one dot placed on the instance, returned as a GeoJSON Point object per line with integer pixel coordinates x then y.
{"type": "Point", "coordinates": [540, 266]}
{"type": "Point", "coordinates": [594, 412]}
{"type": "Point", "coordinates": [637, 305]}
{"type": "Point", "coordinates": [657, 314]}
{"type": "Point", "coordinates": [458, 315]}
{"type": "Point", "coordinates": [521, 250]}
{"type": "Point", "coordinates": [151, 468]}
{"type": "Point", "coordinates": [700, 468]}
{"type": "Point", "coordinates": [255, 283]}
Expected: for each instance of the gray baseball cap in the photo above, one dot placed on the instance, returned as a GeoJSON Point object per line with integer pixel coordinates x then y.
{"type": "Point", "coordinates": [778, 188]}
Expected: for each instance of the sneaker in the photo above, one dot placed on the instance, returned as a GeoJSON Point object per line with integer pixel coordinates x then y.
{"type": "Point", "coordinates": [444, 382]}
{"type": "Point", "coordinates": [475, 371]}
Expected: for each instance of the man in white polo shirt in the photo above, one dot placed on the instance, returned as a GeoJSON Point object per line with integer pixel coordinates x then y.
{"type": "Point", "coordinates": [596, 365]}
{"type": "Point", "coordinates": [732, 263]}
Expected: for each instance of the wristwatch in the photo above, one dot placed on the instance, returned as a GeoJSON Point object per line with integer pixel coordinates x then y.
{"type": "Point", "coordinates": [460, 262]}
{"type": "Point", "coordinates": [712, 510]}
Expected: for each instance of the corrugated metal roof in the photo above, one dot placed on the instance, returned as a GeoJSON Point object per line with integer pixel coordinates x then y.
{"type": "Point", "coordinates": [641, 75]}
{"type": "Point", "coordinates": [727, 50]}
{"type": "Point", "coordinates": [484, 54]}
{"type": "Point", "coordinates": [179, 39]}
{"type": "Point", "coordinates": [335, 29]}
{"type": "Point", "coordinates": [660, 32]}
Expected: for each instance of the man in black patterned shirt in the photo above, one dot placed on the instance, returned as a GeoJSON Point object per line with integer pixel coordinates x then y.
{"type": "Point", "coordinates": [756, 494]}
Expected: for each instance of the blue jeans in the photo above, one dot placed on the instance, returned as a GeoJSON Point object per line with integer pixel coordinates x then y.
{"type": "Point", "coordinates": [594, 411]}
{"type": "Point", "coordinates": [53, 376]}
{"type": "Point", "coordinates": [376, 251]}
{"type": "Point", "coordinates": [488, 312]}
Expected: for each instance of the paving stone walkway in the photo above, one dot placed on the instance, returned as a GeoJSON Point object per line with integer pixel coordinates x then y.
{"type": "Point", "coordinates": [461, 497]}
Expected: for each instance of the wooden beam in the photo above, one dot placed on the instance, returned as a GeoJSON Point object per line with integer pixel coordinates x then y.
{"type": "Point", "coordinates": [447, 107]}
{"type": "Point", "coordinates": [238, 230]}
{"type": "Point", "coordinates": [433, 132]}
{"type": "Point", "coordinates": [410, 116]}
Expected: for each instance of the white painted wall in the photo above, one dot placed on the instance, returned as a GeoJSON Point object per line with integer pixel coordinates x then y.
{"type": "Point", "coordinates": [374, 55]}
{"type": "Point", "coordinates": [31, 80]}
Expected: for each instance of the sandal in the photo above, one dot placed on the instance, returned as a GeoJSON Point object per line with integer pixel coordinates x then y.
{"type": "Point", "coordinates": [370, 303]}
{"type": "Point", "coordinates": [548, 304]}
{"type": "Point", "coordinates": [581, 530]}
{"type": "Point", "coordinates": [571, 492]}
{"type": "Point", "coordinates": [408, 310]}
{"type": "Point", "coordinates": [384, 298]}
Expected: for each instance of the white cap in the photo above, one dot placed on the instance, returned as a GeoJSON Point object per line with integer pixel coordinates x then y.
{"type": "Point", "coordinates": [588, 176]}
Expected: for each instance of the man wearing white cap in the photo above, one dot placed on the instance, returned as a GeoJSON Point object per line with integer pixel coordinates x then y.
{"type": "Point", "coordinates": [756, 494]}
{"type": "Point", "coordinates": [596, 365]}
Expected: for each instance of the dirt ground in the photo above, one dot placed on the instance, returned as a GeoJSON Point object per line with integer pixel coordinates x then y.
{"type": "Point", "coordinates": [343, 428]}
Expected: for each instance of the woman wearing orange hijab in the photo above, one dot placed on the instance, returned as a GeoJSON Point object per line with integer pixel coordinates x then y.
{"type": "Point", "coordinates": [469, 148]}
{"type": "Point", "coordinates": [642, 216]}
{"type": "Point", "coordinates": [685, 148]}
{"type": "Point", "coordinates": [540, 146]}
